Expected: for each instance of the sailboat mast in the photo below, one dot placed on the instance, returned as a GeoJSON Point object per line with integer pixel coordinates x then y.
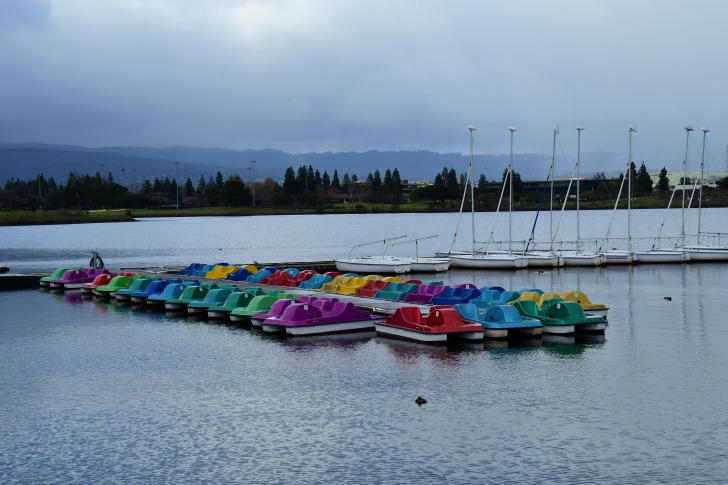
{"type": "Point", "coordinates": [700, 193]}
{"type": "Point", "coordinates": [471, 128]}
{"type": "Point", "coordinates": [632, 129]}
{"type": "Point", "coordinates": [579, 128]}
{"type": "Point", "coordinates": [688, 129]}
{"type": "Point", "coordinates": [510, 188]}
{"type": "Point", "coordinates": [551, 176]}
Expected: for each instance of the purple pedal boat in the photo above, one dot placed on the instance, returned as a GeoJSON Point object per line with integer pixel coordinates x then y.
{"type": "Point", "coordinates": [320, 317]}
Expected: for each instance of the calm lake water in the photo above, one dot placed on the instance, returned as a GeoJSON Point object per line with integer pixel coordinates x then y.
{"type": "Point", "coordinates": [95, 392]}
{"type": "Point", "coordinates": [180, 241]}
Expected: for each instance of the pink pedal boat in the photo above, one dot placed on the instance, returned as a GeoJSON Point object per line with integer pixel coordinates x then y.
{"type": "Point", "coordinates": [74, 279]}
{"type": "Point", "coordinates": [321, 317]}
{"type": "Point", "coordinates": [443, 324]}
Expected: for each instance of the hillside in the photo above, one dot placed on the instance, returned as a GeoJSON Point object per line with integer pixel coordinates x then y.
{"type": "Point", "coordinates": [132, 165]}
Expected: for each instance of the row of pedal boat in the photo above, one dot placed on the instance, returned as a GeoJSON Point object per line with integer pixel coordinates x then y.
{"type": "Point", "coordinates": [318, 304]}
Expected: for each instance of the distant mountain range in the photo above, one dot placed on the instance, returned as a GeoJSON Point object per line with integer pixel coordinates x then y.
{"type": "Point", "coordinates": [132, 165]}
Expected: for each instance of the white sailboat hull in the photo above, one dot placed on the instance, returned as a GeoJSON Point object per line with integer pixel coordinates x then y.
{"type": "Point", "coordinates": [664, 256]}
{"type": "Point", "coordinates": [428, 265]}
{"type": "Point", "coordinates": [373, 266]}
{"type": "Point", "coordinates": [543, 260]}
{"type": "Point", "coordinates": [488, 261]}
{"type": "Point", "coordinates": [581, 259]}
{"type": "Point", "coordinates": [706, 253]}
{"type": "Point", "coordinates": [618, 257]}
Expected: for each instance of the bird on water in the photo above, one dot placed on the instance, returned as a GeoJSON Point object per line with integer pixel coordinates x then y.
{"type": "Point", "coordinates": [420, 400]}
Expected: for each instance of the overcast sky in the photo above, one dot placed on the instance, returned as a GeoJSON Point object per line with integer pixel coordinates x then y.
{"type": "Point", "coordinates": [358, 75]}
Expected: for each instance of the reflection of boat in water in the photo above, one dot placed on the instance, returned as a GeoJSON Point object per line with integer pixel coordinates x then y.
{"type": "Point", "coordinates": [566, 340]}
{"type": "Point", "coordinates": [342, 340]}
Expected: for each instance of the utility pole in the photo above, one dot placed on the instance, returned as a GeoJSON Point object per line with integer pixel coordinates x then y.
{"type": "Point", "coordinates": [176, 188]}
{"type": "Point", "coordinates": [253, 183]}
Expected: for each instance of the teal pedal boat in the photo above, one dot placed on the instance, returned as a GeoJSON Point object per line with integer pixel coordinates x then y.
{"type": "Point", "coordinates": [499, 320]}
{"type": "Point", "coordinates": [561, 317]}
{"type": "Point", "coordinates": [189, 294]}
{"type": "Point", "coordinates": [238, 299]}
{"type": "Point", "coordinates": [141, 284]}
{"type": "Point", "coordinates": [214, 297]}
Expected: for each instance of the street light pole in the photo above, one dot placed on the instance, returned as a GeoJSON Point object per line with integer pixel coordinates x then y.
{"type": "Point", "coordinates": [253, 163]}
{"type": "Point", "coordinates": [176, 188]}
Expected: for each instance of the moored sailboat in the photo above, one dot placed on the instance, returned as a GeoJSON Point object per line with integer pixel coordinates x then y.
{"type": "Point", "coordinates": [481, 260]}
{"type": "Point", "coordinates": [617, 256]}
{"type": "Point", "coordinates": [676, 254]}
{"type": "Point", "coordinates": [579, 257]}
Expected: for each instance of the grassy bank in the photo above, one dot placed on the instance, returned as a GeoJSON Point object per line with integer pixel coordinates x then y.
{"type": "Point", "coordinates": [17, 218]}
{"type": "Point", "coordinates": [40, 217]}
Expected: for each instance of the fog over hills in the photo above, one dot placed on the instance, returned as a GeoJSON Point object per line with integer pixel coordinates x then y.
{"type": "Point", "coordinates": [132, 165]}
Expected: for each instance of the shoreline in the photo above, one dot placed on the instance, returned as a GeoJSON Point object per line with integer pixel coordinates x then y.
{"type": "Point", "coordinates": [40, 217]}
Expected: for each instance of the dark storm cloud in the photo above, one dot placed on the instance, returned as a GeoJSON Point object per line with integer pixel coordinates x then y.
{"type": "Point", "coordinates": [358, 75]}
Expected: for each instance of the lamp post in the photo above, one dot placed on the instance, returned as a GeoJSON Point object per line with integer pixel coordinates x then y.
{"type": "Point", "coordinates": [176, 188]}
{"type": "Point", "coordinates": [252, 162]}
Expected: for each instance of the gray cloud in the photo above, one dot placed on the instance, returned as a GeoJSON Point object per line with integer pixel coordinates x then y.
{"type": "Point", "coordinates": [337, 76]}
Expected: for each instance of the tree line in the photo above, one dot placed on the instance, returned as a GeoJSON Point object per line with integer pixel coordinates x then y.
{"type": "Point", "coordinates": [304, 186]}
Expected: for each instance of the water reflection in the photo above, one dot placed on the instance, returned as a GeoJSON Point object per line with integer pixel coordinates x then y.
{"type": "Point", "coordinates": [337, 341]}
{"type": "Point", "coordinates": [407, 352]}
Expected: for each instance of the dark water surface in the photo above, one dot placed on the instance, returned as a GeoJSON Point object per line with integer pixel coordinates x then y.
{"type": "Point", "coordinates": [93, 392]}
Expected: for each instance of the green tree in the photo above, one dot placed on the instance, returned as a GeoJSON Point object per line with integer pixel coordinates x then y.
{"type": "Point", "coordinates": [235, 193]}
{"type": "Point", "coordinates": [325, 181]}
{"type": "Point", "coordinates": [517, 182]}
{"type": "Point", "coordinates": [289, 182]}
{"type": "Point", "coordinates": [396, 185]}
{"type": "Point", "coordinates": [345, 182]}
{"type": "Point", "coordinates": [643, 184]}
{"type": "Point", "coordinates": [663, 182]}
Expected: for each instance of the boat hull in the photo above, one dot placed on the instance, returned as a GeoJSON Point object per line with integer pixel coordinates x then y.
{"type": "Point", "coordinates": [427, 337]}
{"type": "Point", "coordinates": [239, 318]}
{"type": "Point", "coordinates": [706, 254]}
{"type": "Point", "coordinates": [551, 329]}
{"type": "Point", "coordinates": [330, 328]}
{"type": "Point", "coordinates": [218, 314]}
{"type": "Point", "coordinates": [582, 259]}
{"type": "Point", "coordinates": [662, 256]}
{"type": "Point", "coordinates": [527, 332]}
{"type": "Point", "coordinates": [598, 327]}
{"type": "Point", "coordinates": [73, 286]}
{"type": "Point", "coordinates": [488, 261]}
{"type": "Point", "coordinates": [175, 307]}
{"type": "Point", "coordinates": [546, 260]}
{"type": "Point", "coordinates": [618, 257]}
{"type": "Point", "coordinates": [195, 310]}
{"type": "Point", "coordinates": [372, 266]}
{"type": "Point", "coordinates": [429, 265]}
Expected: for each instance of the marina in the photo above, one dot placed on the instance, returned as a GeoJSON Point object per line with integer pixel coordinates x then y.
{"type": "Point", "coordinates": [172, 389]}
{"type": "Point", "coordinates": [123, 386]}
